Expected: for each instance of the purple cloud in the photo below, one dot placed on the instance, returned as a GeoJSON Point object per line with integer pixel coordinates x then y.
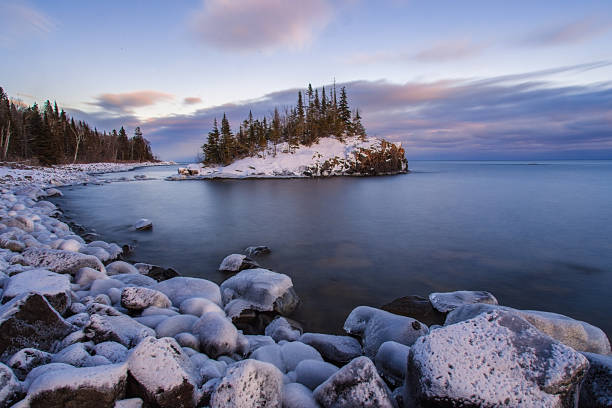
{"type": "Point", "coordinates": [569, 33]}
{"type": "Point", "coordinates": [19, 19]}
{"type": "Point", "coordinates": [124, 102]}
{"type": "Point", "coordinates": [255, 25]}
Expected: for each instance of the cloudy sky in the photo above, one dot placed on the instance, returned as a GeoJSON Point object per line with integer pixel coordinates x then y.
{"type": "Point", "coordinates": [451, 79]}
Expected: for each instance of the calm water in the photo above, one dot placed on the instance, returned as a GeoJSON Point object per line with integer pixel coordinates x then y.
{"type": "Point", "coordinates": [536, 236]}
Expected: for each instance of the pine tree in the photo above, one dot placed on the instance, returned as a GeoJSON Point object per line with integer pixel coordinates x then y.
{"type": "Point", "coordinates": [275, 132]}
{"type": "Point", "coordinates": [344, 115]}
{"type": "Point", "coordinates": [301, 120]}
{"type": "Point", "coordinates": [211, 147]}
{"type": "Point", "coordinates": [357, 126]}
{"type": "Point", "coordinates": [227, 144]}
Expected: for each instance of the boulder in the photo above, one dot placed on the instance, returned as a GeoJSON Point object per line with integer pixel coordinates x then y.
{"type": "Point", "coordinates": [357, 384]}
{"type": "Point", "coordinates": [294, 352]}
{"type": "Point", "coordinates": [70, 245]}
{"type": "Point", "coordinates": [236, 263]}
{"type": "Point", "coordinates": [577, 334]}
{"type": "Point", "coordinates": [270, 354]}
{"type": "Point", "coordinates": [391, 361]}
{"type": "Point", "coordinates": [416, 307]}
{"type": "Point", "coordinates": [10, 388]}
{"type": "Point", "coordinates": [73, 387]}
{"type": "Point", "coordinates": [494, 359]}
{"type": "Point", "coordinates": [198, 306]}
{"type": "Point", "coordinates": [156, 272]}
{"type": "Point", "coordinates": [23, 223]}
{"type": "Point", "coordinates": [174, 325]}
{"type": "Point", "coordinates": [181, 288]}
{"type": "Point", "coordinates": [113, 351]}
{"type": "Point", "coordinates": [25, 360]}
{"type": "Point", "coordinates": [143, 224]}
{"type": "Point", "coordinates": [281, 329]}
{"type": "Point", "coordinates": [313, 373]}
{"type": "Point", "coordinates": [298, 396]}
{"type": "Point", "coordinates": [74, 355]}
{"type": "Point", "coordinates": [375, 326]}
{"type": "Point", "coordinates": [120, 267]}
{"type": "Point", "coordinates": [172, 383]}
{"type": "Point", "coordinates": [249, 384]}
{"type": "Point", "coordinates": [259, 290]}
{"type": "Point", "coordinates": [217, 335]}
{"type": "Point", "coordinates": [28, 320]}
{"type": "Point", "coordinates": [133, 279]}
{"type": "Point", "coordinates": [187, 340]}
{"type": "Point", "coordinates": [337, 349]}
{"type": "Point", "coordinates": [139, 298]}
{"type": "Point", "coordinates": [257, 250]}
{"type": "Point", "coordinates": [43, 369]}
{"type": "Point", "coordinates": [85, 277]}
{"type": "Point", "coordinates": [446, 301]}
{"type": "Point", "coordinates": [54, 287]}
{"type": "Point", "coordinates": [596, 391]}
{"type": "Point", "coordinates": [129, 403]}
{"type": "Point", "coordinates": [60, 261]}
{"type": "Point", "coordinates": [122, 329]}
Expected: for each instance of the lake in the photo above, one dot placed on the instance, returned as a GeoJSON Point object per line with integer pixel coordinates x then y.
{"type": "Point", "coordinates": [536, 235]}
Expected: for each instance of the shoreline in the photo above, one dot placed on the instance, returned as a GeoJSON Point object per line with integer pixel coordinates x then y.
{"type": "Point", "coordinates": [103, 324]}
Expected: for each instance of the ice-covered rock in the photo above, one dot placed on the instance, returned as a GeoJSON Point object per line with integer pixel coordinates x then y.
{"type": "Point", "coordinates": [187, 340]}
{"type": "Point", "coordinates": [294, 352]}
{"type": "Point", "coordinates": [237, 263]}
{"type": "Point", "coordinates": [174, 325]}
{"type": "Point", "coordinates": [357, 384]}
{"type": "Point", "coordinates": [75, 355]}
{"type": "Point", "coordinates": [270, 354]}
{"type": "Point", "coordinates": [156, 272]}
{"type": "Point", "coordinates": [60, 261]}
{"type": "Point", "coordinates": [260, 290]}
{"type": "Point", "coordinates": [120, 267]}
{"type": "Point", "coordinates": [172, 384]}
{"type": "Point", "coordinates": [577, 334]}
{"type": "Point", "coordinates": [151, 320]}
{"type": "Point", "coordinates": [10, 388]}
{"type": "Point", "coordinates": [28, 320]}
{"type": "Point", "coordinates": [121, 329]}
{"type": "Point", "coordinates": [376, 326]}
{"type": "Point", "coordinates": [97, 386]}
{"type": "Point", "coordinates": [22, 222]}
{"type": "Point", "coordinates": [40, 370]}
{"type": "Point", "coordinates": [337, 349]}
{"type": "Point", "coordinates": [494, 359]}
{"type": "Point", "coordinates": [79, 320]}
{"type": "Point", "coordinates": [257, 250]}
{"type": "Point", "coordinates": [98, 252]}
{"type": "Point", "coordinates": [154, 310]}
{"type": "Point", "coordinates": [217, 334]}
{"type": "Point", "coordinates": [298, 396]}
{"type": "Point", "coordinates": [596, 391]}
{"type": "Point", "coordinates": [249, 384]}
{"type": "Point", "coordinates": [70, 245]}
{"type": "Point", "coordinates": [25, 360]}
{"type": "Point", "coordinates": [139, 298]}
{"type": "Point", "coordinates": [280, 329]}
{"type": "Point", "coordinates": [129, 403]}
{"type": "Point", "coordinates": [100, 286]}
{"type": "Point", "coordinates": [257, 341]}
{"type": "Point", "coordinates": [143, 224]}
{"type": "Point", "coordinates": [54, 287]}
{"type": "Point", "coordinates": [85, 276]}
{"type": "Point", "coordinates": [447, 301]}
{"type": "Point", "coordinates": [181, 288]}
{"type": "Point", "coordinates": [113, 351]}
{"type": "Point", "coordinates": [391, 361]}
{"type": "Point", "coordinates": [53, 192]}
{"type": "Point", "coordinates": [416, 307]}
{"type": "Point", "coordinates": [197, 306]}
{"type": "Point", "coordinates": [135, 280]}
{"type": "Point", "coordinates": [313, 373]}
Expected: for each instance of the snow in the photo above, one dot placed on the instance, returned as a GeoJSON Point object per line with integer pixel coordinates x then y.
{"type": "Point", "coordinates": [120, 267]}
{"type": "Point", "coordinates": [313, 373]}
{"type": "Point", "coordinates": [180, 288]}
{"type": "Point", "coordinates": [448, 301]}
{"type": "Point", "coordinates": [54, 287]}
{"type": "Point", "coordinates": [217, 334]}
{"type": "Point", "coordinates": [280, 329]}
{"type": "Point", "coordinates": [197, 306]}
{"type": "Point", "coordinates": [174, 325]}
{"type": "Point", "coordinates": [112, 350]}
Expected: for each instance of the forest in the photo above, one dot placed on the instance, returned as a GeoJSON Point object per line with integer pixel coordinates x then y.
{"type": "Point", "coordinates": [48, 136]}
{"type": "Point", "coordinates": [315, 115]}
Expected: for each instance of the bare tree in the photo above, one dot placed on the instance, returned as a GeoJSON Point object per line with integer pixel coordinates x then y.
{"type": "Point", "coordinates": [79, 135]}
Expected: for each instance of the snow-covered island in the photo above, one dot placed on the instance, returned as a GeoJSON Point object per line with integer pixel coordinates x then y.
{"type": "Point", "coordinates": [80, 327]}
{"type": "Point", "coordinates": [352, 156]}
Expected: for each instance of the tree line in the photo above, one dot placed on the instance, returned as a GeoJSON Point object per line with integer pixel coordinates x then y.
{"type": "Point", "coordinates": [315, 115]}
{"type": "Point", "coordinates": [49, 136]}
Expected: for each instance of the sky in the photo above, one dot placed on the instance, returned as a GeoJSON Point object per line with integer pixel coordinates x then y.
{"type": "Point", "coordinates": [449, 79]}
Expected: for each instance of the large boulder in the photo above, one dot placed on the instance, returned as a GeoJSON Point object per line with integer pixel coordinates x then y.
{"type": "Point", "coordinates": [447, 301]}
{"type": "Point", "coordinates": [10, 388]}
{"type": "Point", "coordinates": [139, 298]}
{"type": "Point", "coordinates": [28, 320]}
{"type": "Point", "coordinates": [313, 373]}
{"type": "Point", "coordinates": [249, 384]}
{"type": "Point", "coordinates": [391, 361]}
{"type": "Point", "coordinates": [120, 267]}
{"type": "Point", "coordinates": [122, 329]}
{"type": "Point", "coordinates": [181, 288]}
{"type": "Point", "coordinates": [577, 334]}
{"type": "Point", "coordinates": [54, 287]}
{"type": "Point", "coordinates": [236, 263]}
{"type": "Point", "coordinates": [596, 391]}
{"type": "Point", "coordinates": [217, 335]}
{"type": "Point", "coordinates": [259, 290]}
{"type": "Point", "coordinates": [174, 325]}
{"type": "Point", "coordinates": [282, 329]}
{"type": "Point", "coordinates": [357, 384]}
{"type": "Point", "coordinates": [25, 360]}
{"type": "Point", "coordinates": [376, 326]}
{"type": "Point", "coordinates": [494, 359]}
{"type": "Point", "coordinates": [162, 374]}
{"type": "Point", "coordinates": [416, 307]}
{"type": "Point", "coordinates": [337, 349]}
{"type": "Point", "coordinates": [60, 261]}
{"type": "Point", "coordinates": [88, 387]}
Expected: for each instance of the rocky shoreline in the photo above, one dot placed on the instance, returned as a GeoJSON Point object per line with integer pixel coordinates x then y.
{"type": "Point", "coordinates": [80, 328]}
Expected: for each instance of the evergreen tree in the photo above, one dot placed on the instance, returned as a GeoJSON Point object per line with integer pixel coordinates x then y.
{"type": "Point", "coordinates": [227, 144]}
{"type": "Point", "coordinates": [357, 126]}
{"type": "Point", "coordinates": [211, 147]}
{"type": "Point", "coordinates": [344, 115]}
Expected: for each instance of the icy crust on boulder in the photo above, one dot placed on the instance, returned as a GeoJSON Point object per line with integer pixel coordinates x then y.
{"type": "Point", "coordinates": [9, 386]}
{"type": "Point", "coordinates": [61, 261]}
{"type": "Point", "coordinates": [494, 359]}
{"type": "Point", "coordinates": [391, 361]}
{"type": "Point", "coordinates": [181, 288]}
{"type": "Point", "coordinates": [596, 391]}
{"type": "Point", "coordinates": [338, 349]}
{"type": "Point", "coordinates": [447, 301]}
{"type": "Point", "coordinates": [259, 290]}
{"type": "Point", "coordinates": [139, 298]}
{"type": "Point", "coordinates": [237, 263]}
{"type": "Point", "coordinates": [78, 387]}
{"type": "Point", "coordinates": [121, 329]}
{"type": "Point", "coordinates": [54, 287]}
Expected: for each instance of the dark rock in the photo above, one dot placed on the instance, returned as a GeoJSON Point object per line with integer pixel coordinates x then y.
{"type": "Point", "coordinates": [25, 360]}
{"type": "Point", "coordinates": [596, 391]}
{"type": "Point", "coordinates": [161, 274]}
{"type": "Point", "coordinates": [416, 307]}
{"type": "Point", "coordinates": [53, 286]}
{"type": "Point", "coordinates": [337, 349]}
{"type": "Point", "coordinates": [257, 250]}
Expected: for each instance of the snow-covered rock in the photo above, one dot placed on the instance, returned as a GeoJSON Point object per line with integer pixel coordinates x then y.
{"type": "Point", "coordinates": [129, 403]}
{"type": "Point", "coordinates": [143, 224]}
{"type": "Point", "coordinates": [357, 384]}
{"type": "Point", "coordinates": [113, 351]}
{"type": "Point", "coordinates": [60, 261]}
{"type": "Point", "coordinates": [313, 373]}
{"type": "Point", "coordinates": [54, 287]}
{"type": "Point", "coordinates": [294, 352]}
{"type": "Point", "coordinates": [135, 280]}
{"type": "Point", "coordinates": [375, 326]}
{"type": "Point", "coordinates": [139, 298]}
{"type": "Point", "coordinates": [85, 276]}
{"type": "Point", "coordinates": [10, 388]}
{"type": "Point", "coordinates": [259, 290]}
{"type": "Point", "coordinates": [577, 334]}
{"type": "Point", "coordinates": [25, 360]}
{"type": "Point", "coordinates": [70, 245]}
{"type": "Point", "coordinates": [181, 288]}
{"type": "Point", "coordinates": [75, 355]}
{"type": "Point", "coordinates": [151, 320]}
{"type": "Point", "coordinates": [236, 263]}
{"type": "Point", "coordinates": [298, 396]}
{"type": "Point", "coordinates": [257, 250]}
{"type": "Point", "coordinates": [270, 354]}
{"type": "Point", "coordinates": [494, 359]}
{"type": "Point", "coordinates": [280, 329]}
{"type": "Point", "coordinates": [217, 335]}
{"type": "Point", "coordinates": [391, 361]}
{"type": "Point", "coordinates": [43, 369]}
{"type": "Point", "coordinates": [187, 340]}
{"type": "Point", "coordinates": [447, 301]}
{"type": "Point", "coordinates": [121, 329]}
{"type": "Point", "coordinates": [249, 384]}
{"type": "Point", "coordinates": [28, 320]}
{"type": "Point", "coordinates": [337, 349]}
{"type": "Point", "coordinates": [120, 267]}
{"type": "Point", "coordinates": [198, 306]}
{"type": "Point", "coordinates": [596, 391]}
{"type": "Point", "coordinates": [162, 373]}
{"type": "Point", "coordinates": [257, 341]}
{"type": "Point", "coordinates": [174, 325]}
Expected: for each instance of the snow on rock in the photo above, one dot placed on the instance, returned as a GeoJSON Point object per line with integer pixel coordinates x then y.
{"type": "Point", "coordinates": [257, 341]}
{"type": "Point", "coordinates": [391, 361]}
{"type": "Point", "coordinates": [257, 250]}
{"type": "Point", "coordinates": [122, 329]}
{"type": "Point", "coordinates": [298, 396]}
{"type": "Point", "coordinates": [28, 320]}
{"type": "Point", "coordinates": [494, 359]}
{"type": "Point", "coordinates": [113, 351]}
{"type": "Point", "coordinates": [120, 267]}
{"type": "Point", "coordinates": [129, 403]}
{"type": "Point", "coordinates": [187, 340]}
{"type": "Point", "coordinates": [181, 288]}
{"type": "Point", "coordinates": [101, 286]}
{"type": "Point", "coordinates": [70, 245]}
{"type": "Point", "coordinates": [280, 329]}
{"type": "Point", "coordinates": [25, 360]}
{"type": "Point", "coordinates": [357, 384]}
{"type": "Point", "coordinates": [270, 354]}
{"type": "Point", "coordinates": [174, 325]}
{"type": "Point", "coordinates": [54, 287]}
{"type": "Point", "coordinates": [376, 326]}
{"type": "Point", "coordinates": [162, 373]}
{"type": "Point", "coordinates": [153, 310]}
{"type": "Point", "coordinates": [143, 224]}
{"type": "Point", "coordinates": [75, 355]}
{"type": "Point", "coordinates": [85, 277]}
{"type": "Point", "coordinates": [139, 298]}
{"type": "Point", "coordinates": [337, 349]}
{"type": "Point", "coordinates": [596, 391]}
{"type": "Point", "coordinates": [135, 280]}
{"type": "Point", "coordinates": [577, 334]}
{"type": "Point", "coordinates": [92, 387]}
{"type": "Point", "coordinates": [447, 301]}
{"type": "Point", "coordinates": [217, 334]}
{"type": "Point", "coordinates": [237, 263]}
{"type": "Point", "coordinates": [313, 373]}
{"type": "Point", "coordinates": [259, 290]}
{"type": "Point", "coordinates": [197, 306]}
{"type": "Point", "coordinates": [294, 352]}
{"type": "Point", "coordinates": [151, 320]}
{"type": "Point", "coordinates": [10, 388]}
{"type": "Point", "coordinates": [98, 252]}
{"type": "Point", "coordinates": [60, 261]}
{"type": "Point", "coordinates": [249, 384]}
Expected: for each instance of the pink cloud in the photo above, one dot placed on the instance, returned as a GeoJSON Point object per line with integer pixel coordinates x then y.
{"type": "Point", "coordinates": [568, 33]}
{"type": "Point", "coordinates": [129, 100]}
{"type": "Point", "coordinates": [192, 100]}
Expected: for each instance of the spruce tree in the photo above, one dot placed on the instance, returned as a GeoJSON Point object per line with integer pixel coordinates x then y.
{"type": "Point", "coordinates": [227, 144]}
{"type": "Point", "coordinates": [211, 147]}
{"type": "Point", "coordinates": [344, 115]}
{"type": "Point", "coordinates": [357, 126]}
